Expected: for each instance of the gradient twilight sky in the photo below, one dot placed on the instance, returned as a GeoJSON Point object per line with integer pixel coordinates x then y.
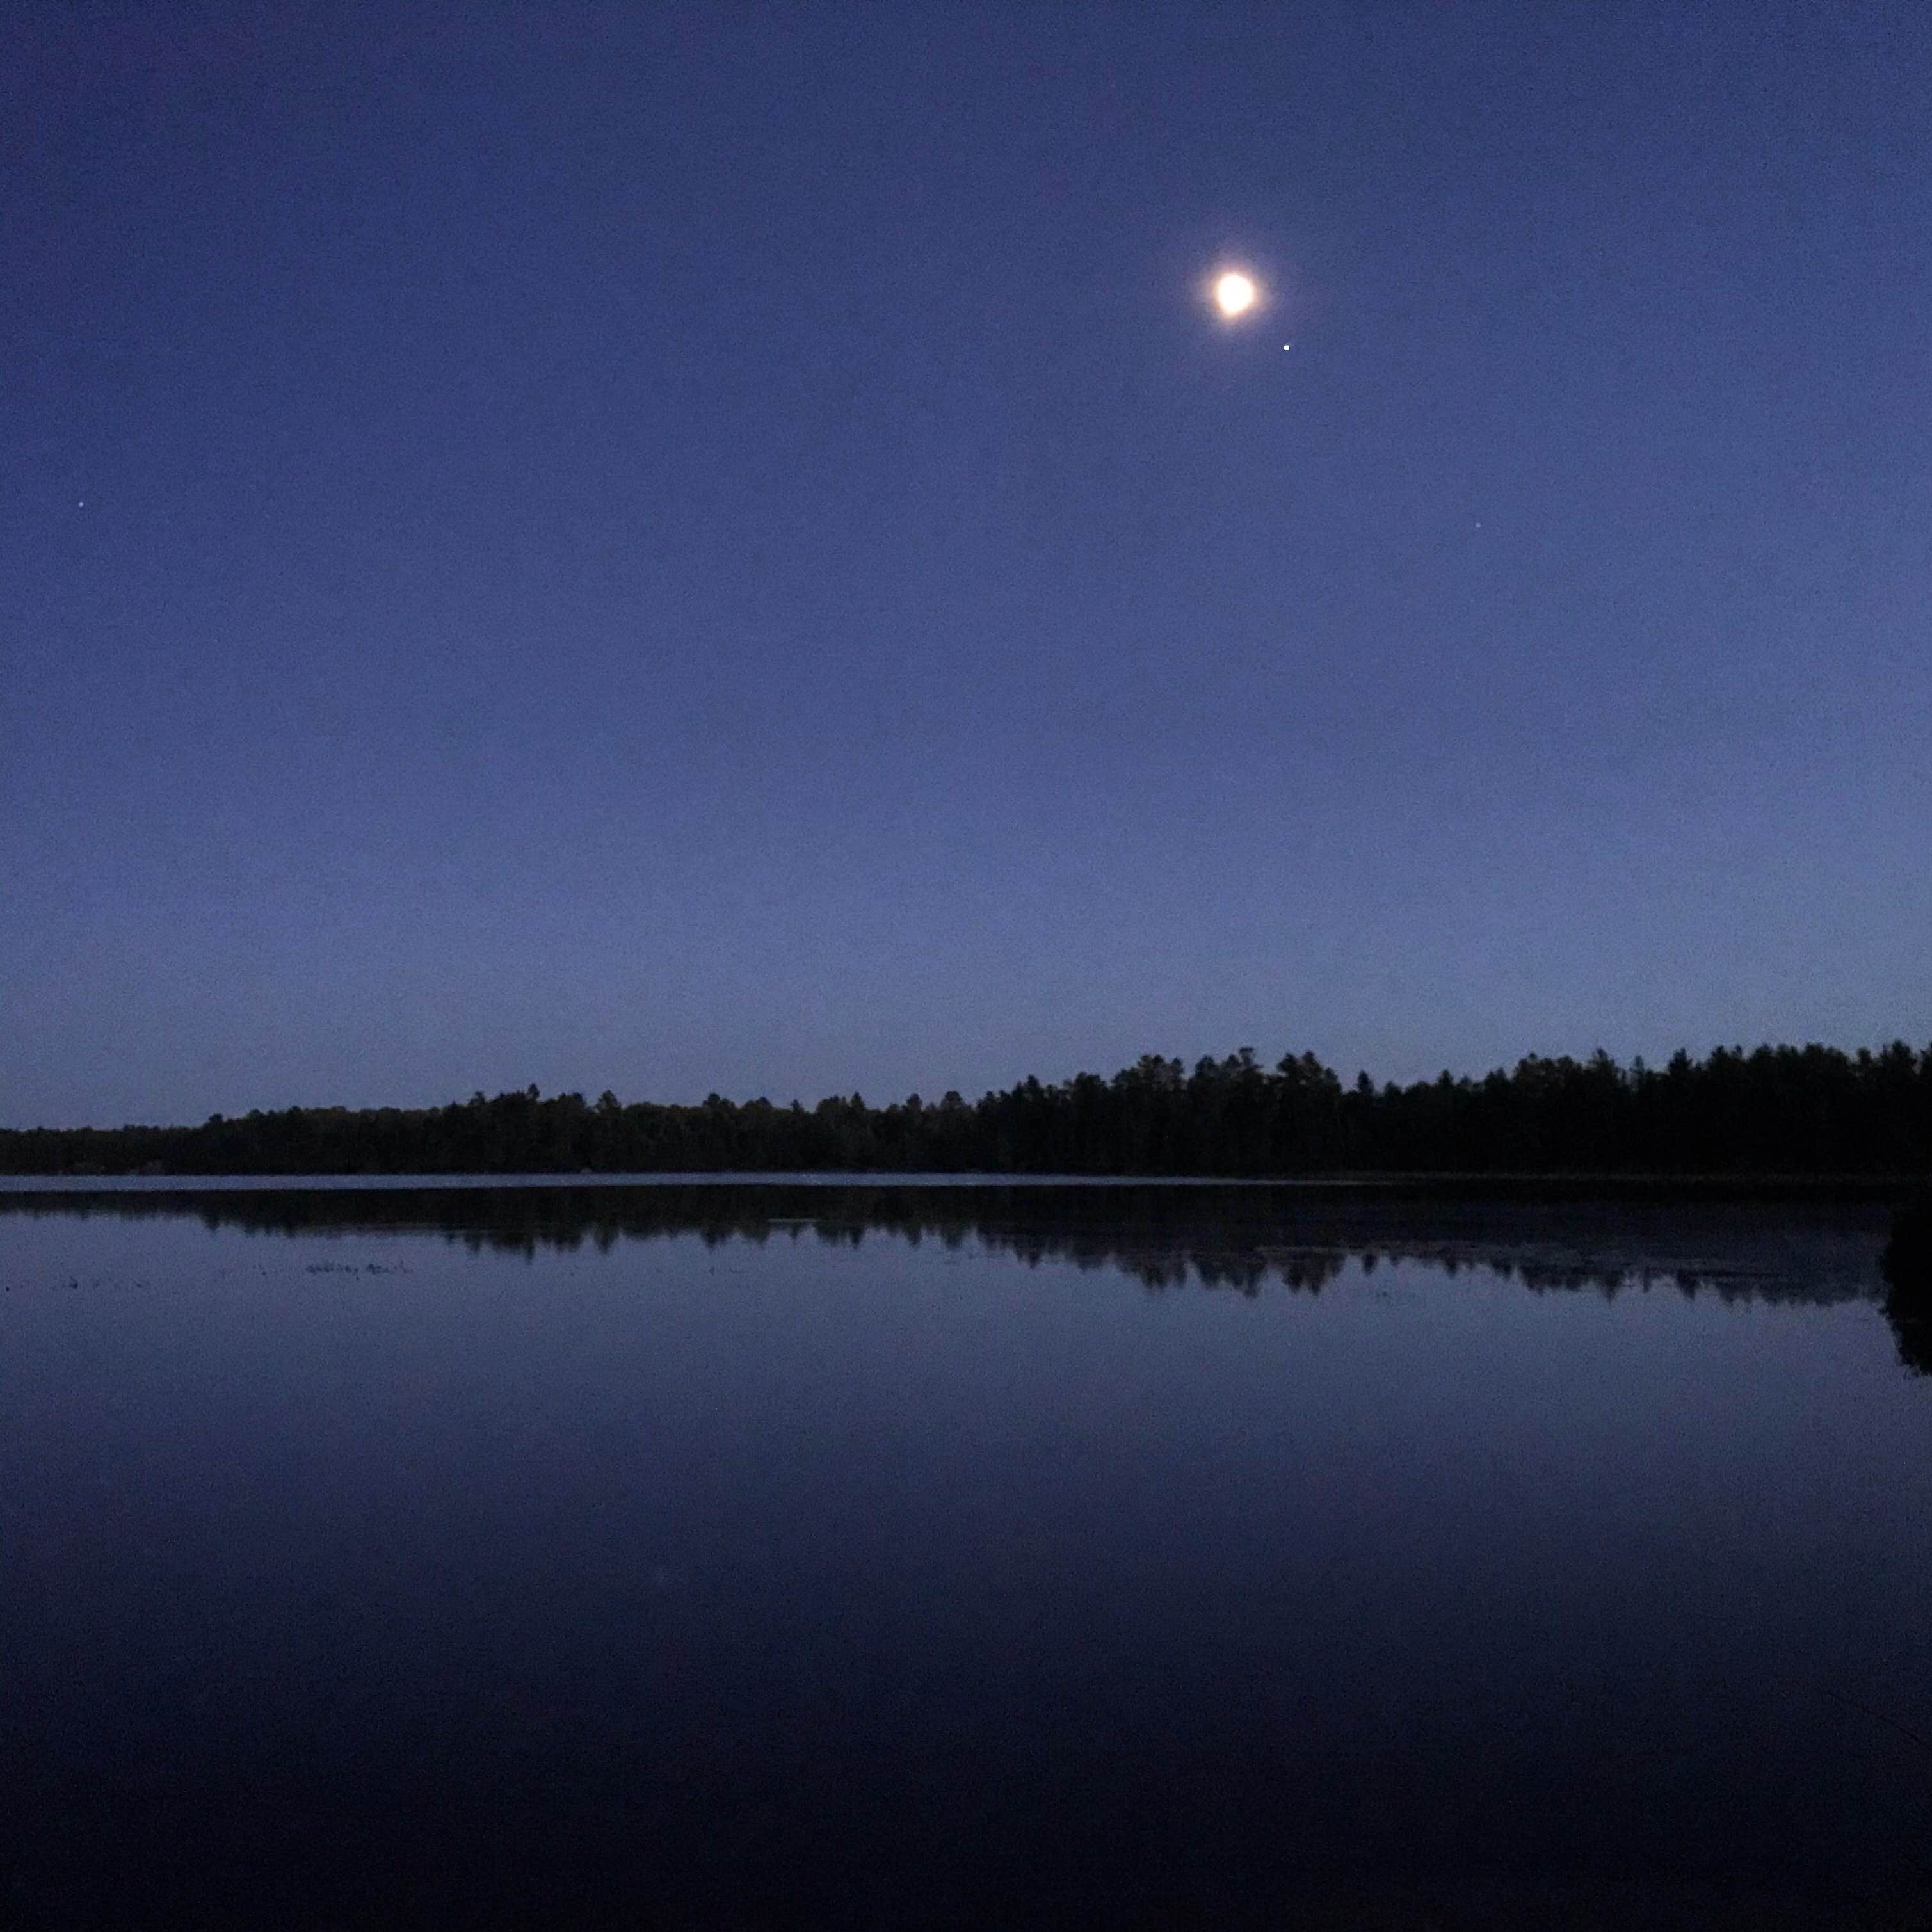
{"type": "Point", "coordinates": [681, 548]}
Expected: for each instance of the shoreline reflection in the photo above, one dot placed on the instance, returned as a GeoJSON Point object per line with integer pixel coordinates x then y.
{"type": "Point", "coordinates": [1245, 1238]}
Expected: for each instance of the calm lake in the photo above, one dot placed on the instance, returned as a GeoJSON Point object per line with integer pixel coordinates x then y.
{"type": "Point", "coordinates": [909, 1556]}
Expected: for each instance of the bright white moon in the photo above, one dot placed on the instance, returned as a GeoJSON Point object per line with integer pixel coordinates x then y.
{"type": "Point", "coordinates": [1235, 294]}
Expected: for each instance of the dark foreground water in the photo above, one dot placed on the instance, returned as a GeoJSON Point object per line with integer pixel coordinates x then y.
{"type": "Point", "coordinates": [748, 1557]}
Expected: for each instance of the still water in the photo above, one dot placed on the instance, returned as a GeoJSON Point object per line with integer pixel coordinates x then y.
{"type": "Point", "coordinates": [908, 1556]}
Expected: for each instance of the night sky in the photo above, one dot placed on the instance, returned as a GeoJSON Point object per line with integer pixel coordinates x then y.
{"type": "Point", "coordinates": [692, 548]}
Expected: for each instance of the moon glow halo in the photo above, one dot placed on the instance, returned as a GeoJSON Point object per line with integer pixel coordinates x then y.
{"type": "Point", "coordinates": [1234, 293]}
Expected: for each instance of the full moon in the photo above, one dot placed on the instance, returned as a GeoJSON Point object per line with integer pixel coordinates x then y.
{"type": "Point", "coordinates": [1234, 293]}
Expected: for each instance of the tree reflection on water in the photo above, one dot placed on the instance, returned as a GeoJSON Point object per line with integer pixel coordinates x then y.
{"type": "Point", "coordinates": [1907, 1266]}
{"type": "Point", "coordinates": [1245, 1237]}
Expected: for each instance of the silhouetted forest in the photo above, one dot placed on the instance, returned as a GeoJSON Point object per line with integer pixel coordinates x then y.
{"type": "Point", "coordinates": [1777, 1110]}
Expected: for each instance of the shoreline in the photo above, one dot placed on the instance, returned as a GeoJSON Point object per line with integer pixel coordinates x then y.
{"type": "Point", "coordinates": [1825, 1189]}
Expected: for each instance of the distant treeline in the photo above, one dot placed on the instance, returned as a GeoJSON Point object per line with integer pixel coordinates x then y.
{"type": "Point", "coordinates": [1777, 1110]}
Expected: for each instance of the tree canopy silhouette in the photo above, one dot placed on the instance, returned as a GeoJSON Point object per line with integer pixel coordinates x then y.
{"type": "Point", "coordinates": [1775, 1110]}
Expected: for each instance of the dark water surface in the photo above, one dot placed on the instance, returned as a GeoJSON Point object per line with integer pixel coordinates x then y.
{"type": "Point", "coordinates": [762, 1556]}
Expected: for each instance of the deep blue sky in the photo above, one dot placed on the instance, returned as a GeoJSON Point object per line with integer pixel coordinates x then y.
{"type": "Point", "coordinates": [722, 548]}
